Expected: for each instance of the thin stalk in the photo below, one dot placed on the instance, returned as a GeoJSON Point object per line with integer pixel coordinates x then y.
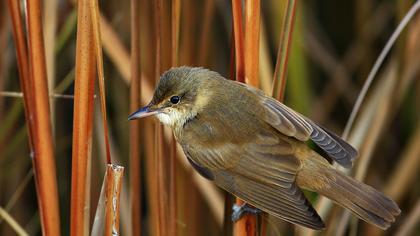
{"type": "Point", "coordinates": [22, 59]}
{"type": "Point", "coordinates": [280, 72]}
{"type": "Point", "coordinates": [266, 67]}
{"type": "Point", "coordinates": [107, 216]}
{"type": "Point", "coordinates": [100, 67]}
{"type": "Point", "coordinates": [50, 25]}
{"type": "Point", "coordinates": [43, 159]}
{"type": "Point", "coordinates": [246, 71]}
{"type": "Point", "coordinates": [12, 222]}
{"type": "Point", "coordinates": [82, 122]}
{"type": "Point", "coordinates": [135, 94]}
{"type": "Point", "coordinates": [10, 94]}
{"type": "Point", "coordinates": [114, 180]}
{"type": "Point", "coordinates": [252, 42]}
{"type": "Point", "coordinates": [160, 165]}
{"type": "Point", "coordinates": [239, 40]}
{"type": "Point", "coordinates": [176, 16]}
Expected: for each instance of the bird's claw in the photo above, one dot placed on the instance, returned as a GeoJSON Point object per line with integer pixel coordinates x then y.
{"type": "Point", "coordinates": [240, 210]}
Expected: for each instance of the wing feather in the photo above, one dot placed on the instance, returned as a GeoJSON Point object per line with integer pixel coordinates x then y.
{"type": "Point", "coordinates": [262, 174]}
{"type": "Point", "coordinates": [288, 204]}
{"type": "Point", "coordinates": [342, 152]}
{"type": "Point", "coordinates": [292, 124]}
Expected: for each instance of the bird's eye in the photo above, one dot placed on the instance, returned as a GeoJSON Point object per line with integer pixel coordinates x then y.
{"type": "Point", "coordinates": [174, 99]}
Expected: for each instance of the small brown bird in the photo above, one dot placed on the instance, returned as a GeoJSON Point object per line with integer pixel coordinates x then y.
{"type": "Point", "coordinates": [254, 147]}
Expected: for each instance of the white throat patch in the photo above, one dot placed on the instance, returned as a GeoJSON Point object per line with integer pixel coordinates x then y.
{"type": "Point", "coordinates": [173, 116]}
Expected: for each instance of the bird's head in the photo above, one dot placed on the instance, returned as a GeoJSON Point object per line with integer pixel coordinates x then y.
{"type": "Point", "coordinates": [179, 96]}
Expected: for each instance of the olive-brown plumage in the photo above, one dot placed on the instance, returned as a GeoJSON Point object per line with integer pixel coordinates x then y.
{"type": "Point", "coordinates": [254, 147]}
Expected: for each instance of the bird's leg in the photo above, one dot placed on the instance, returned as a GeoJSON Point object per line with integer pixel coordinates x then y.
{"type": "Point", "coordinates": [240, 210]}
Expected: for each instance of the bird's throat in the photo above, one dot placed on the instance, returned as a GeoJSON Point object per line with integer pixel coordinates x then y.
{"type": "Point", "coordinates": [175, 118]}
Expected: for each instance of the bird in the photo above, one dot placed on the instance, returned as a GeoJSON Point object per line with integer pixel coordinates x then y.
{"type": "Point", "coordinates": [255, 147]}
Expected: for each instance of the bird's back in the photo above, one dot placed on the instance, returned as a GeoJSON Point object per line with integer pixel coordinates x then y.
{"type": "Point", "coordinates": [227, 118]}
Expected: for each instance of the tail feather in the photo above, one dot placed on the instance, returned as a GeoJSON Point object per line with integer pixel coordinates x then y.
{"type": "Point", "coordinates": [365, 215]}
{"type": "Point", "coordinates": [366, 202]}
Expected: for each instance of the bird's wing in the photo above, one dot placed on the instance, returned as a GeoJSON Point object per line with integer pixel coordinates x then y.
{"type": "Point", "coordinates": [292, 124]}
{"type": "Point", "coordinates": [262, 173]}
{"type": "Point", "coordinates": [288, 204]}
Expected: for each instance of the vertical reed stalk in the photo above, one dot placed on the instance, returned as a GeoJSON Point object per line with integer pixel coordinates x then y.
{"type": "Point", "coordinates": [176, 16]}
{"type": "Point", "coordinates": [280, 72]}
{"type": "Point", "coordinates": [22, 59]}
{"type": "Point", "coordinates": [43, 152]}
{"type": "Point", "coordinates": [50, 25]}
{"type": "Point", "coordinates": [82, 121]}
{"type": "Point", "coordinates": [160, 165]}
{"type": "Point", "coordinates": [107, 216]}
{"type": "Point", "coordinates": [246, 71]}
{"type": "Point", "coordinates": [94, 13]}
{"type": "Point", "coordinates": [252, 42]}
{"type": "Point", "coordinates": [239, 40]}
{"type": "Point", "coordinates": [113, 185]}
{"type": "Point", "coordinates": [135, 95]}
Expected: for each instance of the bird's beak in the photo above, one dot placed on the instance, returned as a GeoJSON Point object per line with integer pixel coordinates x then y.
{"type": "Point", "coordinates": [143, 112]}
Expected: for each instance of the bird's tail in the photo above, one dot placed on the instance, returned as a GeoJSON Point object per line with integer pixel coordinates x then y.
{"type": "Point", "coordinates": [366, 202]}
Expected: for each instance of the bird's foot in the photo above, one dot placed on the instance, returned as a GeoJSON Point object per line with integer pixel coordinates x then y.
{"type": "Point", "coordinates": [240, 210]}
